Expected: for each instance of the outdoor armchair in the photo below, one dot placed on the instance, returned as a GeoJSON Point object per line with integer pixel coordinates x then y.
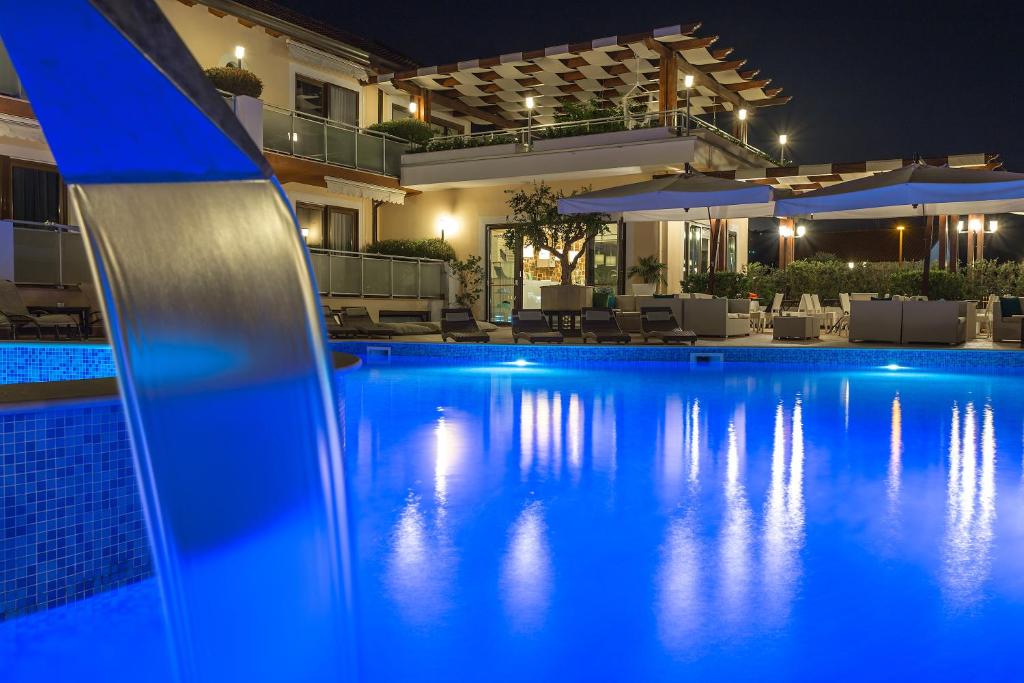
{"type": "Point", "coordinates": [717, 317]}
{"type": "Point", "coordinates": [1006, 319]}
{"type": "Point", "coordinates": [459, 325]}
{"type": "Point", "coordinates": [934, 322]}
{"type": "Point", "coordinates": [531, 325]}
{"type": "Point", "coordinates": [659, 322]}
{"type": "Point", "coordinates": [598, 324]}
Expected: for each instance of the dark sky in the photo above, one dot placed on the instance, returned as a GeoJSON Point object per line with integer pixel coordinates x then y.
{"type": "Point", "coordinates": [870, 80]}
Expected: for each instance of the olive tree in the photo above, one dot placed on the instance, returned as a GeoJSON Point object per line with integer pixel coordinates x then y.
{"type": "Point", "coordinates": [535, 221]}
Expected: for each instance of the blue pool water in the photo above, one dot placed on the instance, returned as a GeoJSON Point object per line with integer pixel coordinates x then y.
{"type": "Point", "coordinates": [655, 522]}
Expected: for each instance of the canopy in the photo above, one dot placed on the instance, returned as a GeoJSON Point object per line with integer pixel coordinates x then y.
{"type": "Point", "coordinates": [915, 190]}
{"type": "Point", "coordinates": [687, 196]}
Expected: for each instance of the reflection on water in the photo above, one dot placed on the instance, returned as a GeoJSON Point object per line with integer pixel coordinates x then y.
{"type": "Point", "coordinates": [637, 523]}
{"type": "Point", "coordinates": [970, 504]}
{"type": "Point", "coordinates": [526, 570]}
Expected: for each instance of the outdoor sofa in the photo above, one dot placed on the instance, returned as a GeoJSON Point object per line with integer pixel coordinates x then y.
{"type": "Point", "coordinates": [876, 320]}
{"type": "Point", "coordinates": [935, 322]}
{"type": "Point", "coordinates": [717, 317]}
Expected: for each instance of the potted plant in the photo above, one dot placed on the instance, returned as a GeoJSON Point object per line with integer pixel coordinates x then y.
{"type": "Point", "coordinates": [651, 271]}
{"type": "Point", "coordinates": [602, 297]}
{"type": "Point", "coordinates": [535, 222]}
{"type": "Point", "coordinates": [236, 81]}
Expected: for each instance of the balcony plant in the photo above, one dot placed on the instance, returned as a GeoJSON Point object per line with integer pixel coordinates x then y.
{"type": "Point", "coordinates": [416, 132]}
{"type": "Point", "coordinates": [651, 272]}
{"type": "Point", "coordinates": [236, 81]}
{"type": "Point", "coordinates": [534, 221]}
{"type": "Point", "coordinates": [432, 248]}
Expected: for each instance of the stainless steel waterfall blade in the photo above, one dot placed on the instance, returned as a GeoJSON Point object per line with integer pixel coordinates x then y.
{"type": "Point", "coordinates": [218, 340]}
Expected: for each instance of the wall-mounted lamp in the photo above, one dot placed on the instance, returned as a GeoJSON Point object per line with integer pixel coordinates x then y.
{"type": "Point", "coordinates": [742, 114]}
{"type": "Point", "coordinates": [239, 54]}
{"type": "Point", "coordinates": [993, 226]}
{"type": "Point", "coordinates": [305, 233]}
{"type": "Point", "coordinates": [413, 107]}
{"type": "Point", "coordinates": [293, 137]}
{"type": "Point", "coordinates": [801, 231]}
{"type": "Point", "coordinates": [447, 224]}
{"type": "Point", "coordinates": [785, 231]}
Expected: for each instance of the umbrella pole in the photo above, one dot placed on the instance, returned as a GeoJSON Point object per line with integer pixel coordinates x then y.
{"type": "Point", "coordinates": [929, 226]}
{"type": "Point", "coordinates": [712, 252]}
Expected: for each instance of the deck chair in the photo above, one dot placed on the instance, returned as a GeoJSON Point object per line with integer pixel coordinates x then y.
{"type": "Point", "coordinates": [458, 325]}
{"type": "Point", "coordinates": [775, 311]}
{"type": "Point", "coordinates": [658, 322]}
{"type": "Point", "coordinates": [599, 325]}
{"type": "Point", "coordinates": [97, 326]}
{"type": "Point", "coordinates": [334, 326]}
{"type": "Point", "coordinates": [15, 316]}
{"type": "Point", "coordinates": [531, 325]}
{"type": "Point", "coordinates": [358, 318]}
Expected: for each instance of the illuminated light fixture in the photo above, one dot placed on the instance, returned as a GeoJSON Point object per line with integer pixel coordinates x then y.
{"type": "Point", "coordinates": [801, 230]}
{"type": "Point", "coordinates": [851, 265]}
{"type": "Point", "coordinates": [293, 137]}
{"type": "Point", "coordinates": [783, 139]}
{"type": "Point", "coordinates": [974, 225]}
{"type": "Point", "coordinates": [993, 226]}
{"type": "Point", "coordinates": [688, 81]}
{"type": "Point", "coordinates": [785, 231]}
{"type": "Point", "coordinates": [900, 228]}
{"type": "Point", "coordinates": [447, 224]}
{"type": "Point", "coordinates": [239, 52]}
{"type": "Point", "coordinates": [742, 113]}
{"type": "Point", "coordinates": [893, 366]}
{"type": "Point", "coordinates": [530, 102]}
{"type": "Point", "coordinates": [305, 233]}
{"type": "Point", "coordinates": [528, 251]}
{"type": "Point", "coordinates": [960, 226]}
{"type": "Point", "coordinates": [520, 363]}
{"type": "Point", "coordinates": [412, 106]}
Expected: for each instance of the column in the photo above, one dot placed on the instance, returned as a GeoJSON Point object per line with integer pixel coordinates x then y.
{"type": "Point", "coordinates": [668, 84]}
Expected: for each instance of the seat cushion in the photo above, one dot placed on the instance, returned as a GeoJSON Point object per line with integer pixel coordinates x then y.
{"type": "Point", "coordinates": [1009, 306]}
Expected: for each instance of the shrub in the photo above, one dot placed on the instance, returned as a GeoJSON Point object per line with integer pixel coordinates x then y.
{"type": "Point", "coordinates": [416, 132]}
{"type": "Point", "coordinates": [470, 274]}
{"type": "Point", "coordinates": [427, 248]}
{"type": "Point", "coordinates": [235, 81]}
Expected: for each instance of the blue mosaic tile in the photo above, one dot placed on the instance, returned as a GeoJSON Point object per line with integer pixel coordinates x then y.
{"type": "Point", "coordinates": [53, 362]}
{"type": "Point", "coordinates": [71, 521]}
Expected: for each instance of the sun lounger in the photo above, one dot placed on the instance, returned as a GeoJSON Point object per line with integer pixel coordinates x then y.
{"type": "Point", "coordinates": [97, 326]}
{"type": "Point", "coordinates": [531, 325]}
{"type": "Point", "coordinates": [334, 326]}
{"type": "Point", "coordinates": [15, 316]}
{"type": "Point", "coordinates": [458, 325]}
{"type": "Point", "coordinates": [359, 318]}
{"type": "Point", "coordinates": [599, 325]}
{"type": "Point", "coordinates": [658, 322]}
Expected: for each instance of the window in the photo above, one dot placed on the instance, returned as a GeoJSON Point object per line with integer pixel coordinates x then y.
{"type": "Point", "coordinates": [327, 101]}
{"type": "Point", "coordinates": [444, 128]}
{"type": "Point", "coordinates": [696, 248]}
{"type": "Point", "coordinates": [400, 112]}
{"type": "Point", "coordinates": [730, 255]}
{"type": "Point", "coordinates": [36, 194]}
{"type": "Point", "coordinates": [330, 227]}
{"type": "Point", "coordinates": [606, 259]}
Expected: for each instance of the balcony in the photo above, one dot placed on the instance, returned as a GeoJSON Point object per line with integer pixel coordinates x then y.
{"type": "Point", "coordinates": [318, 139]}
{"type": "Point", "coordinates": [648, 142]}
{"type": "Point", "coordinates": [45, 254]}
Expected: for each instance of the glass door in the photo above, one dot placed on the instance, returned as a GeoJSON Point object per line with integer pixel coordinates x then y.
{"type": "Point", "coordinates": [503, 266]}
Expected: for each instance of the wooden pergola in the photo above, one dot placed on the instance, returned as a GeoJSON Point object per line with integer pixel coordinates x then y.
{"type": "Point", "coordinates": [493, 91]}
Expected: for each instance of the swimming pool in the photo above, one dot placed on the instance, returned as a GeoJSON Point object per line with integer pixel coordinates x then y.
{"type": "Point", "coordinates": [658, 521]}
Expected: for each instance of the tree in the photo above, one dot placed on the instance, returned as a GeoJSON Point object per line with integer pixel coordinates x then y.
{"type": "Point", "coordinates": [535, 222]}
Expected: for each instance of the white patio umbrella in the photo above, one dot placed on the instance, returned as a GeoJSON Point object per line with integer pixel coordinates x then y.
{"type": "Point", "coordinates": [914, 190]}
{"type": "Point", "coordinates": [687, 196]}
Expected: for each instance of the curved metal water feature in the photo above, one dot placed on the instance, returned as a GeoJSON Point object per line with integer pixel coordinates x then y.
{"type": "Point", "coordinates": [217, 335]}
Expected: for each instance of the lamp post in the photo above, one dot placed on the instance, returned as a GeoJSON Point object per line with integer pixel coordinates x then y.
{"type": "Point", "coordinates": [687, 84]}
{"type": "Point", "coordinates": [530, 104]}
{"type": "Point", "coordinates": [783, 139]}
{"type": "Point", "coordinates": [899, 229]}
{"type": "Point", "coordinates": [239, 54]}
{"type": "Point", "coordinates": [742, 115]}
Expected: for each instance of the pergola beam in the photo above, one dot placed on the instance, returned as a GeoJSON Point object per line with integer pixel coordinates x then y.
{"type": "Point", "coordinates": [457, 105]}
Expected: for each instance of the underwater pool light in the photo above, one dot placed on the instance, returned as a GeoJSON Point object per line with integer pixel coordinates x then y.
{"type": "Point", "coordinates": [894, 366]}
{"type": "Point", "coordinates": [519, 363]}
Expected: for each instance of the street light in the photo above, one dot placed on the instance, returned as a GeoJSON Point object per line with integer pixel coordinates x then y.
{"type": "Point", "coordinates": [783, 139]}
{"type": "Point", "coordinates": [239, 54]}
{"type": "Point", "coordinates": [687, 84]}
{"type": "Point", "coordinates": [530, 104]}
{"type": "Point", "coordinates": [899, 229]}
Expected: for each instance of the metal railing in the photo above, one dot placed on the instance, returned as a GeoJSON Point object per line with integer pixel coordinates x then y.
{"type": "Point", "coordinates": [350, 273]}
{"type": "Point", "coordinates": [49, 254]}
{"type": "Point", "coordinates": [314, 137]}
{"type": "Point", "coordinates": [674, 119]}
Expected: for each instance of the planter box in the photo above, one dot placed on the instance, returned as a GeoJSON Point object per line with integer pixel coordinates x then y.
{"type": "Point", "coordinates": [459, 154]}
{"type": "Point", "coordinates": [618, 137]}
{"type": "Point", "coordinates": [644, 289]}
{"type": "Point", "coordinates": [565, 297]}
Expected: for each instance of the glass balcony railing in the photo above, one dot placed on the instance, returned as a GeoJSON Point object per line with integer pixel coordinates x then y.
{"type": "Point", "coordinates": [48, 254]}
{"type": "Point", "coordinates": [319, 139]}
{"type": "Point", "coordinates": [347, 273]}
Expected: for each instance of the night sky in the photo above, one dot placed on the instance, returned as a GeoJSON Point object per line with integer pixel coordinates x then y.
{"type": "Point", "coordinates": [870, 80]}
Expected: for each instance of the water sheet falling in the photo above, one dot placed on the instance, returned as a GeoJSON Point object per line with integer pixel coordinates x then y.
{"type": "Point", "coordinates": [220, 351]}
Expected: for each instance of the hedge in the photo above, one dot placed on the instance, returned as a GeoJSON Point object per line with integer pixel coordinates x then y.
{"type": "Point", "coordinates": [428, 248]}
{"type": "Point", "coordinates": [828, 278]}
{"type": "Point", "coordinates": [416, 132]}
{"type": "Point", "coordinates": [235, 81]}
